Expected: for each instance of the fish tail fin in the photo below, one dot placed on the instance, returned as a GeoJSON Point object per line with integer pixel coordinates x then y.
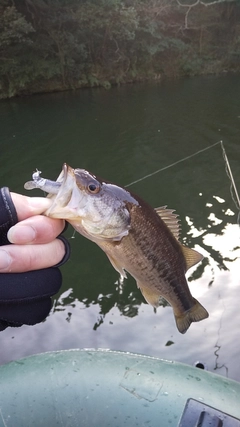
{"type": "Point", "coordinates": [196, 313]}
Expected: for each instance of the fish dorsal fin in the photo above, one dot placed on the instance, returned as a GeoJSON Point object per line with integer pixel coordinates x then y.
{"type": "Point", "coordinates": [170, 219]}
{"type": "Point", "coordinates": [191, 256]}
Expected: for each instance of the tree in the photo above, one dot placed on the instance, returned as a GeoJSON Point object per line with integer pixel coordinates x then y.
{"type": "Point", "coordinates": [48, 45]}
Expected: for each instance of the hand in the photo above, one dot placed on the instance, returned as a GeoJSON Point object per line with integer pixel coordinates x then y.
{"type": "Point", "coordinates": [27, 279]}
{"type": "Point", "coordinates": [34, 237]}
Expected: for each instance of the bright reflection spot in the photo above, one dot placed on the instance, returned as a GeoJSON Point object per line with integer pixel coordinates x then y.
{"type": "Point", "coordinates": [209, 205]}
{"type": "Point", "coordinates": [189, 221]}
{"type": "Point", "coordinates": [229, 212]}
{"type": "Point", "coordinates": [227, 242]}
{"type": "Point", "coordinates": [194, 232]}
{"type": "Point", "coordinates": [214, 219]}
{"type": "Point", "coordinates": [219, 199]}
{"type": "Point", "coordinates": [65, 295]}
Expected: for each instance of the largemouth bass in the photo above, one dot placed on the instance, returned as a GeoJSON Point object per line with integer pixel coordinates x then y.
{"type": "Point", "coordinates": [136, 238]}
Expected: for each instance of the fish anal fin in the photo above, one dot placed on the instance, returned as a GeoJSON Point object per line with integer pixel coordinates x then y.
{"type": "Point", "coordinates": [170, 219]}
{"type": "Point", "coordinates": [152, 297]}
{"type": "Point", "coordinates": [117, 266]}
{"type": "Point", "coordinates": [191, 256]}
{"type": "Point", "coordinates": [195, 314]}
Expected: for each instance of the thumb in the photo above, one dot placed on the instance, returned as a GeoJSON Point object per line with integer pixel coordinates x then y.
{"type": "Point", "coordinates": [29, 206]}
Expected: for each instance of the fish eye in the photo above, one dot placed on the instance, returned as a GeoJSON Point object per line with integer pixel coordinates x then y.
{"type": "Point", "coordinates": [93, 188]}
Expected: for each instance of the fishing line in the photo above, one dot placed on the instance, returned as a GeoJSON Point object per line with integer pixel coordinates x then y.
{"type": "Point", "coordinates": [233, 187]}
{"type": "Point", "coordinates": [173, 164]}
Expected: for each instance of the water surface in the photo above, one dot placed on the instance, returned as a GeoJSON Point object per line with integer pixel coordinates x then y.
{"type": "Point", "coordinates": [122, 135]}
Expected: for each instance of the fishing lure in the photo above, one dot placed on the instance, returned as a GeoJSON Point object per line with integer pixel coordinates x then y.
{"type": "Point", "coordinates": [44, 184]}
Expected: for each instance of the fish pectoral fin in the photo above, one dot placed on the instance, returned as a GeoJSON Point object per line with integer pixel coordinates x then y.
{"type": "Point", "coordinates": [152, 297]}
{"type": "Point", "coordinates": [191, 256]}
{"type": "Point", "coordinates": [195, 314]}
{"type": "Point", "coordinates": [117, 266]}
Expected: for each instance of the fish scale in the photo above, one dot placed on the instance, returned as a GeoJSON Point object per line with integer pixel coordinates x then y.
{"type": "Point", "coordinates": [162, 270]}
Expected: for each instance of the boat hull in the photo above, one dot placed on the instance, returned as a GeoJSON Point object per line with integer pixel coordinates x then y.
{"type": "Point", "coordinates": [103, 388]}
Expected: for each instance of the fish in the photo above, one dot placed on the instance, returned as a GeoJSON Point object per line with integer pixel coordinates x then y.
{"type": "Point", "coordinates": [136, 238]}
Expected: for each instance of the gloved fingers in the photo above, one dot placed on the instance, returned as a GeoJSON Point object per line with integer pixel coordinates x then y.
{"type": "Point", "coordinates": [19, 288]}
{"type": "Point", "coordinates": [26, 298]}
{"type": "Point", "coordinates": [67, 250]}
{"type": "Point", "coordinates": [8, 214]}
{"type": "Point", "coordinates": [35, 230]}
{"type": "Point", "coordinates": [26, 314]}
{"type": "Point", "coordinates": [23, 258]}
{"type": "Point", "coordinates": [29, 206]}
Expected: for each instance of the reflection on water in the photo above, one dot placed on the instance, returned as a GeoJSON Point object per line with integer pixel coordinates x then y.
{"type": "Point", "coordinates": [215, 227]}
{"type": "Point", "coordinates": [124, 134]}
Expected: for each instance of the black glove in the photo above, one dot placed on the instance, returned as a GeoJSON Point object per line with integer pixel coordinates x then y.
{"type": "Point", "coordinates": [25, 298]}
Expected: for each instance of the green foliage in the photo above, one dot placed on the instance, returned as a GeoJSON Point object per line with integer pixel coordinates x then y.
{"type": "Point", "coordinates": [15, 41]}
{"type": "Point", "coordinates": [13, 28]}
{"type": "Point", "coordinates": [191, 64]}
{"type": "Point", "coordinates": [58, 44]}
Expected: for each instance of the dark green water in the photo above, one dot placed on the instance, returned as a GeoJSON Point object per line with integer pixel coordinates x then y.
{"type": "Point", "coordinates": [122, 135]}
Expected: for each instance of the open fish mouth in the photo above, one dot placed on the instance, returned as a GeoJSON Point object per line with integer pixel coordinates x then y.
{"type": "Point", "coordinates": [66, 179]}
{"type": "Point", "coordinates": [64, 173]}
{"type": "Point", "coordinates": [68, 198]}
